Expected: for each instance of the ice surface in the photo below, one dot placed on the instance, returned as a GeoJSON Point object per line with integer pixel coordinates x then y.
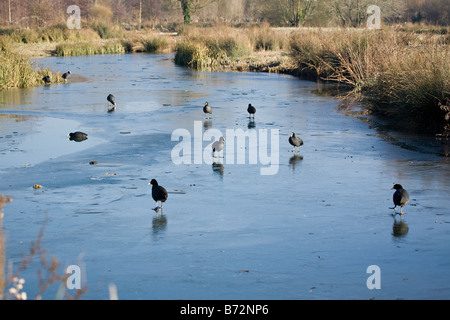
{"type": "Point", "coordinates": [307, 232]}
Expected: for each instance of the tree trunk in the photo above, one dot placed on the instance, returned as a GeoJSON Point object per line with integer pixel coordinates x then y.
{"type": "Point", "coordinates": [186, 7]}
{"type": "Point", "coordinates": [9, 11]}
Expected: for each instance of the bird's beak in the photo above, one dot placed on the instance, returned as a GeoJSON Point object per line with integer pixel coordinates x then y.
{"type": "Point", "coordinates": [148, 183]}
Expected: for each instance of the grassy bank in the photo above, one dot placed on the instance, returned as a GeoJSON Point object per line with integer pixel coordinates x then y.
{"type": "Point", "coordinates": [225, 48]}
{"type": "Point", "coordinates": [137, 43]}
{"type": "Point", "coordinates": [88, 48]}
{"type": "Point", "coordinates": [17, 71]}
{"type": "Point", "coordinates": [401, 75]}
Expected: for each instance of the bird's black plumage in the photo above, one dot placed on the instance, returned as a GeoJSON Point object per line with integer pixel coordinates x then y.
{"type": "Point", "coordinates": [400, 197]}
{"type": "Point", "coordinates": [47, 79]}
{"type": "Point", "coordinates": [251, 109]}
{"type": "Point", "coordinates": [66, 75]}
{"type": "Point", "coordinates": [295, 141]}
{"type": "Point", "coordinates": [159, 193]}
{"type": "Point", "coordinates": [77, 136]}
{"type": "Point", "coordinates": [111, 99]}
{"type": "Point", "coordinates": [207, 109]}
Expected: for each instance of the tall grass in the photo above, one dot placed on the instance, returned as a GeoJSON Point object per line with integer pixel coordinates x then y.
{"type": "Point", "coordinates": [415, 87]}
{"type": "Point", "coordinates": [263, 37]}
{"type": "Point", "coordinates": [402, 75]}
{"type": "Point", "coordinates": [153, 43]}
{"type": "Point", "coordinates": [17, 72]}
{"type": "Point", "coordinates": [55, 33]}
{"type": "Point", "coordinates": [194, 55]}
{"type": "Point", "coordinates": [89, 48]}
{"type": "Point", "coordinates": [223, 47]}
{"type": "Point", "coordinates": [209, 48]}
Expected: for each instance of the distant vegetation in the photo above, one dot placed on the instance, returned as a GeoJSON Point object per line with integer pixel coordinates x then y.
{"type": "Point", "coordinates": [167, 14]}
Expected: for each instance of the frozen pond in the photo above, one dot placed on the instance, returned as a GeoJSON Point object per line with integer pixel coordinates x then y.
{"type": "Point", "coordinates": [308, 230]}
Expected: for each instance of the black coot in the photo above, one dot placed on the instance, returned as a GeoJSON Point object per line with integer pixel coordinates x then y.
{"type": "Point", "coordinates": [47, 79]}
{"type": "Point", "coordinates": [111, 99]}
{"type": "Point", "coordinates": [66, 75]}
{"type": "Point", "coordinates": [400, 197]}
{"type": "Point", "coordinates": [251, 110]}
{"type": "Point", "coordinates": [77, 136]}
{"type": "Point", "coordinates": [159, 193]}
{"type": "Point", "coordinates": [207, 109]}
{"type": "Point", "coordinates": [295, 141]}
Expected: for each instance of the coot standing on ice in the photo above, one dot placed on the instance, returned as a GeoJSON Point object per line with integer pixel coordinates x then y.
{"type": "Point", "coordinates": [400, 197]}
{"type": "Point", "coordinates": [217, 146]}
{"type": "Point", "coordinates": [207, 109]}
{"type": "Point", "coordinates": [111, 99]}
{"type": "Point", "coordinates": [295, 141]}
{"type": "Point", "coordinates": [251, 110]}
{"type": "Point", "coordinates": [159, 193]}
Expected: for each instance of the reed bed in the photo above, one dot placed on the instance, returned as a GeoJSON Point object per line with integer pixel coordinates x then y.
{"type": "Point", "coordinates": [17, 71]}
{"type": "Point", "coordinates": [219, 47]}
{"type": "Point", "coordinates": [209, 48]}
{"type": "Point", "coordinates": [140, 43]}
{"type": "Point", "coordinates": [89, 48]}
{"type": "Point", "coordinates": [56, 33]}
{"type": "Point", "coordinates": [402, 75]}
{"type": "Point", "coordinates": [150, 43]}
